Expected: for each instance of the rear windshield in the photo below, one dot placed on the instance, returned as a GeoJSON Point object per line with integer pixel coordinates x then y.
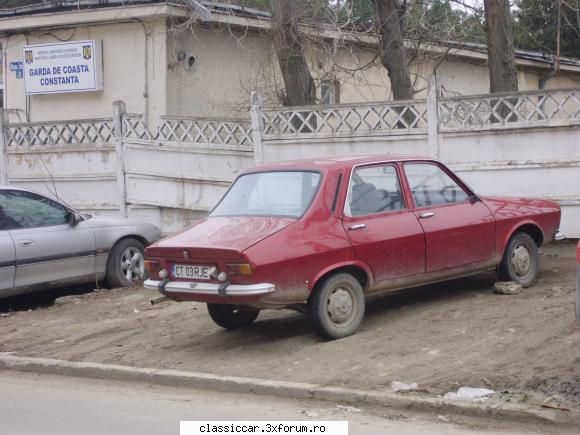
{"type": "Point", "coordinates": [278, 193]}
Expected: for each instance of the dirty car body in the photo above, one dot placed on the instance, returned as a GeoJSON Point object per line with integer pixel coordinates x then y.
{"type": "Point", "coordinates": [44, 244]}
{"type": "Point", "coordinates": [320, 235]}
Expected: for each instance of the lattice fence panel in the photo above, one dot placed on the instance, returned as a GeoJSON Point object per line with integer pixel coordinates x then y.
{"type": "Point", "coordinates": [510, 110]}
{"type": "Point", "coordinates": [382, 118]}
{"type": "Point", "coordinates": [89, 131]}
{"type": "Point", "coordinates": [134, 127]}
{"type": "Point", "coordinates": [210, 132]}
{"type": "Point", "coordinates": [228, 134]}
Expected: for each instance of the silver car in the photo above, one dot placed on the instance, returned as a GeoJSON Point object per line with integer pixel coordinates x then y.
{"type": "Point", "coordinates": [44, 244]}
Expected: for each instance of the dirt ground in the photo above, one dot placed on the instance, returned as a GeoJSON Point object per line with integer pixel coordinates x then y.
{"type": "Point", "coordinates": [442, 336]}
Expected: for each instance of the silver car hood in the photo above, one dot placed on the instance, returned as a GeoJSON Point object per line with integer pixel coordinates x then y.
{"type": "Point", "coordinates": [103, 222]}
{"type": "Point", "coordinates": [109, 229]}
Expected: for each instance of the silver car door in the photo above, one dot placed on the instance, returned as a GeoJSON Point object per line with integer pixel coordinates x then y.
{"type": "Point", "coordinates": [7, 259]}
{"type": "Point", "coordinates": [49, 246]}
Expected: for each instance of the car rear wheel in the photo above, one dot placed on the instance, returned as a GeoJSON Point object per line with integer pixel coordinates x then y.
{"type": "Point", "coordinates": [337, 306]}
{"type": "Point", "coordinates": [232, 316]}
{"type": "Point", "coordinates": [126, 263]}
{"type": "Point", "coordinates": [520, 261]}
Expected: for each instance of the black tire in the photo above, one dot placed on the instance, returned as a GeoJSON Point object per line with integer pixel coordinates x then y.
{"type": "Point", "coordinates": [232, 316]}
{"type": "Point", "coordinates": [126, 263]}
{"type": "Point", "coordinates": [520, 262]}
{"type": "Point", "coordinates": [337, 306]}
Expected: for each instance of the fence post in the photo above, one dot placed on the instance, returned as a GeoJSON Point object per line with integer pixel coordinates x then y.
{"type": "Point", "coordinates": [3, 159]}
{"type": "Point", "coordinates": [119, 109]}
{"type": "Point", "coordinates": [257, 127]}
{"type": "Point", "coordinates": [432, 118]}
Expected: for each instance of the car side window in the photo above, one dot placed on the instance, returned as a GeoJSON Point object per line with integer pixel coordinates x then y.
{"type": "Point", "coordinates": [431, 186]}
{"type": "Point", "coordinates": [374, 189]}
{"type": "Point", "coordinates": [20, 209]}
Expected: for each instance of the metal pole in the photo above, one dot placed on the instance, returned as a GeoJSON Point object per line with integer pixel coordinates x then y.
{"type": "Point", "coordinates": [257, 127]}
{"type": "Point", "coordinates": [432, 118]}
{"type": "Point", "coordinates": [3, 157]}
{"type": "Point", "coordinates": [119, 109]}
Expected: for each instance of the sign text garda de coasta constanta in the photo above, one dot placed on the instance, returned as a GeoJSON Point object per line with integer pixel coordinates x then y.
{"type": "Point", "coordinates": [74, 66]}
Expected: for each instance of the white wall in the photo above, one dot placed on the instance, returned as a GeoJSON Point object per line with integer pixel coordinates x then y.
{"type": "Point", "coordinates": [172, 179]}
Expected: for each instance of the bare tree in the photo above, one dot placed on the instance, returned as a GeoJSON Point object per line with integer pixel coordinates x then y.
{"type": "Point", "coordinates": [393, 53]}
{"type": "Point", "coordinates": [503, 75]}
{"type": "Point", "coordinates": [298, 82]}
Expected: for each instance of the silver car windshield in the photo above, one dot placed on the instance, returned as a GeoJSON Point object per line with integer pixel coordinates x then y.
{"type": "Point", "coordinates": [277, 193]}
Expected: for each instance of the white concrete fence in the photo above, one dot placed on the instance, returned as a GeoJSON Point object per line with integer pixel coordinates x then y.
{"type": "Point", "coordinates": [525, 144]}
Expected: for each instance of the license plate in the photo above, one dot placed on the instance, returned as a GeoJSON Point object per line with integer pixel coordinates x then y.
{"type": "Point", "coordinates": [191, 271]}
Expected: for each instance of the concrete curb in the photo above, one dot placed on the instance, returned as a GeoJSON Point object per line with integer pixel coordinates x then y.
{"type": "Point", "coordinates": [294, 390]}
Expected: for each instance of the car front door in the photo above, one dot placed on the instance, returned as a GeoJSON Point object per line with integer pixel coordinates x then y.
{"type": "Point", "coordinates": [383, 230]}
{"type": "Point", "coordinates": [459, 229]}
{"type": "Point", "coordinates": [7, 257]}
{"type": "Point", "coordinates": [49, 247]}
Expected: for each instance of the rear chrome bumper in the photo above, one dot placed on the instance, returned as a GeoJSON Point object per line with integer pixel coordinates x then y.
{"type": "Point", "coordinates": [559, 235]}
{"type": "Point", "coordinates": [203, 288]}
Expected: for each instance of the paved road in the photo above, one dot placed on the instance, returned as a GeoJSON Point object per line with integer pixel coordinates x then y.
{"type": "Point", "coordinates": [42, 404]}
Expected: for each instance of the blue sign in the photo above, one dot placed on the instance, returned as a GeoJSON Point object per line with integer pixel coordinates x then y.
{"type": "Point", "coordinates": [15, 66]}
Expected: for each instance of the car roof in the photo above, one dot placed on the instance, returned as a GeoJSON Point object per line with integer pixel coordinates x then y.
{"type": "Point", "coordinates": [49, 196]}
{"type": "Point", "coordinates": [329, 163]}
{"type": "Point", "coordinates": [5, 187]}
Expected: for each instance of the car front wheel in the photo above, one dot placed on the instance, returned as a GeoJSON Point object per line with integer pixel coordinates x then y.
{"type": "Point", "coordinates": [126, 263]}
{"type": "Point", "coordinates": [520, 262]}
{"type": "Point", "coordinates": [337, 306]}
{"type": "Point", "coordinates": [232, 316]}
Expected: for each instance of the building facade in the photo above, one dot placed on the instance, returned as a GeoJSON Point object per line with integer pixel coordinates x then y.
{"type": "Point", "coordinates": [165, 59]}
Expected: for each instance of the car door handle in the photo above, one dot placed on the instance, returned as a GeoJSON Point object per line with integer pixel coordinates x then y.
{"type": "Point", "coordinates": [426, 215]}
{"type": "Point", "coordinates": [357, 227]}
{"type": "Point", "coordinates": [25, 242]}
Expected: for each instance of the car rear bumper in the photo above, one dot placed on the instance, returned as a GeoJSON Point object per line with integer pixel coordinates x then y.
{"type": "Point", "coordinates": [211, 289]}
{"type": "Point", "coordinates": [578, 296]}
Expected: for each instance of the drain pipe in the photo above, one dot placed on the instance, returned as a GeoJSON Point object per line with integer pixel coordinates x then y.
{"type": "Point", "coordinates": [555, 70]}
{"type": "Point", "coordinates": [556, 66]}
{"type": "Point", "coordinates": [147, 34]}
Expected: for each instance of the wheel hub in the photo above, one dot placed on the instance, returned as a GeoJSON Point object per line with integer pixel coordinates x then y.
{"type": "Point", "coordinates": [132, 264]}
{"type": "Point", "coordinates": [521, 260]}
{"type": "Point", "coordinates": [340, 305]}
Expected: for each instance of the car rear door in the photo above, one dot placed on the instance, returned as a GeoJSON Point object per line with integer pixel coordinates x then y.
{"type": "Point", "coordinates": [458, 230]}
{"type": "Point", "coordinates": [382, 228]}
{"type": "Point", "coordinates": [48, 248]}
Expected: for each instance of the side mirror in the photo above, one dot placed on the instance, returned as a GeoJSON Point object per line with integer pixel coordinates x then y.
{"type": "Point", "coordinates": [73, 218]}
{"type": "Point", "coordinates": [474, 198]}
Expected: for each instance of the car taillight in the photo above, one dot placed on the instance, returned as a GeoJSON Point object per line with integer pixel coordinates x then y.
{"type": "Point", "coordinates": [152, 267]}
{"type": "Point", "coordinates": [239, 269]}
{"type": "Point", "coordinates": [578, 254]}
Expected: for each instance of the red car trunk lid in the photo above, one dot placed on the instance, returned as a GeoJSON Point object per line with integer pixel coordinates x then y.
{"type": "Point", "coordinates": [219, 237]}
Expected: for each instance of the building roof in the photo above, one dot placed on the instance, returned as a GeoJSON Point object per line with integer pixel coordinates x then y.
{"type": "Point", "coordinates": [78, 5]}
{"type": "Point", "coordinates": [228, 13]}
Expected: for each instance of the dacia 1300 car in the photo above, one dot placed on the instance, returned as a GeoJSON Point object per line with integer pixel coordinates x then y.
{"type": "Point", "coordinates": [320, 235]}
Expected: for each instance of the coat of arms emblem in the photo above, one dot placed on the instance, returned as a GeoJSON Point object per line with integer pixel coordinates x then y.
{"type": "Point", "coordinates": [28, 58]}
{"type": "Point", "coordinates": [87, 52]}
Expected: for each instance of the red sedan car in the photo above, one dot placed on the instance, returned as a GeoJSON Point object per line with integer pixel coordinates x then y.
{"type": "Point", "coordinates": [320, 235]}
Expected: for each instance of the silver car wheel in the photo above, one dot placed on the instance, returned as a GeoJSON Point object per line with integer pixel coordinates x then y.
{"type": "Point", "coordinates": [132, 264]}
